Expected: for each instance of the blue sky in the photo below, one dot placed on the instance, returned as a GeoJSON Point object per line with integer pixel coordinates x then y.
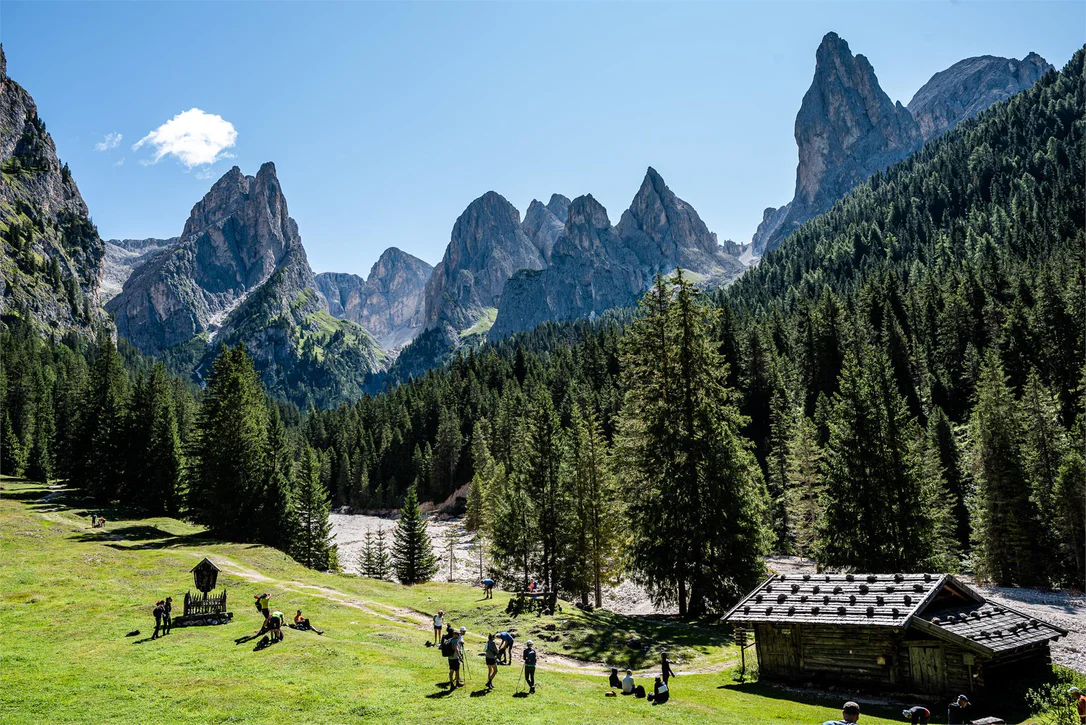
{"type": "Point", "coordinates": [385, 120]}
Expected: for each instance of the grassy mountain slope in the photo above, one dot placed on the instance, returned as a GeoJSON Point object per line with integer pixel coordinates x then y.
{"type": "Point", "coordinates": [75, 592]}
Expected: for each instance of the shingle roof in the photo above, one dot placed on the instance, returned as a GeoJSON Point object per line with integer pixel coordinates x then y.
{"type": "Point", "coordinates": [988, 627]}
{"type": "Point", "coordinates": [892, 600]}
{"type": "Point", "coordinates": [888, 600]}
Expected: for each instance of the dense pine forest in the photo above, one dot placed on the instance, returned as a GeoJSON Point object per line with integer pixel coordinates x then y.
{"type": "Point", "coordinates": [900, 387]}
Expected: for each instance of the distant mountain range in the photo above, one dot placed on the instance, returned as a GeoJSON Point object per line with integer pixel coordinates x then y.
{"type": "Point", "coordinates": [239, 273]}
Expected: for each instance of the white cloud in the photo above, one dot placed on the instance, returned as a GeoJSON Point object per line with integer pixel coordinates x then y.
{"type": "Point", "coordinates": [205, 174]}
{"type": "Point", "coordinates": [111, 141]}
{"type": "Point", "coordinates": [119, 162]}
{"type": "Point", "coordinates": [196, 138]}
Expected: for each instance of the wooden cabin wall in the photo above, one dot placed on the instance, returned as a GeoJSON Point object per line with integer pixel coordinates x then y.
{"type": "Point", "coordinates": [827, 653]}
{"type": "Point", "coordinates": [954, 666]}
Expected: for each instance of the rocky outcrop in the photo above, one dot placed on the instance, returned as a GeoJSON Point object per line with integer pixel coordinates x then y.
{"type": "Point", "coordinates": [969, 86]}
{"type": "Point", "coordinates": [488, 244]}
{"type": "Point", "coordinates": [847, 129]}
{"type": "Point", "coordinates": [123, 257]}
{"type": "Point", "coordinates": [239, 274]}
{"type": "Point", "coordinates": [388, 304]}
{"type": "Point", "coordinates": [50, 253]}
{"type": "Point", "coordinates": [543, 227]}
{"type": "Point", "coordinates": [596, 267]}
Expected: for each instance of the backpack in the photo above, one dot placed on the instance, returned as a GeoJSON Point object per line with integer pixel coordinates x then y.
{"type": "Point", "coordinates": [448, 647]}
{"type": "Point", "coordinates": [639, 691]}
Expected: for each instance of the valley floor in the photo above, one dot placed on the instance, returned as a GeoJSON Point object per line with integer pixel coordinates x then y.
{"type": "Point", "coordinates": [70, 595]}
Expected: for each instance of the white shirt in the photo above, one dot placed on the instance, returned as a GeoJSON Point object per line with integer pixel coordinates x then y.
{"type": "Point", "coordinates": [437, 621]}
{"type": "Point", "coordinates": [627, 684]}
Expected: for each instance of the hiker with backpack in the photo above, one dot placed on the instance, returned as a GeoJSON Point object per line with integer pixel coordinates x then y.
{"type": "Point", "coordinates": [450, 650]}
{"type": "Point", "coordinates": [167, 615]}
{"type": "Point", "coordinates": [491, 654]}
{"type": "Point", "coordinates": [158, 611]}
{"type": "Point", "coordinates": [529, 667]}
{"type": "Point", "coordinates": [660, 692]}
{"type": "Point", "coordinates": [263, 604]}
{"type": "Point", "coordinates": [275, 624]}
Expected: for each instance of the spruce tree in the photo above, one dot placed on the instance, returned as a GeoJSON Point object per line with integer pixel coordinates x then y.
{"type": "Point", "coordinates": [698, 516]}
{"type": "Point", "coordinates": [373, 560]}
{"type": "Point", "coordinates": [230, 471]}
{"type": "Point", "coordinates": [541, 476]}
{"type": "Point", "coordinates": [803, 489]}
{"type": "Point", "coordinates": [312, 544]}
{"type": "Point", "coordinates": [412, 556]}
{"type": "Point", "coordinates": [1004, 518]}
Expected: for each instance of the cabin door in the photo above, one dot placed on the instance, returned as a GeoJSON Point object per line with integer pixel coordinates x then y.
{"type": "Point", "coordinates": [928, 668]}
{"type": "Point", "coordinates": [779, 649]}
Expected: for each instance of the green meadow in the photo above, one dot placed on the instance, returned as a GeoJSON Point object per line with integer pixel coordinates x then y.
{"type": "Point", "coordinates": [70, 595]}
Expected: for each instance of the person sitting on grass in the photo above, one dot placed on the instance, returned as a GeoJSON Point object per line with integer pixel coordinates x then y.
{"type": "Point", "coordinates": [850, 713]}
{"type": "Point", "coordinates": [505, 653]}
{"type": "Point", "coordinates": [491, 654]}
{"type": "Point", "coordinates": [613, 680]}
{"type": "Point", "coordinates": [659, 692]}
{"type": "Point", "coordinates": [628, 683]}
{"type": "Point", "coordinates": [302, 623]}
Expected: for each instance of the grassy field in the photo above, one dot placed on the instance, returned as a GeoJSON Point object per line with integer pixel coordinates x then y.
{"type": "Point", "coordinates": [69, 594]}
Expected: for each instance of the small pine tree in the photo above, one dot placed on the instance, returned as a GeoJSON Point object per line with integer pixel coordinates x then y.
{"type": "Point", "coordinates": [373, 559]}
{"type": "Point", "coordinates": [412, 556]}
{"type": "Point", "coordinates": [312, 544]}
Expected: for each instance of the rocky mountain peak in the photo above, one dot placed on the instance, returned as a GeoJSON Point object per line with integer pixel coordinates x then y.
{"type": "Point", "coordinates": [559, 206]}
{"type": "Point", "coordinates": [587, 229]}
{"type": "Point", "coordinates": [969, 86]}
{"type": "Point", "coordinates": [487, 245]}
{"type": "Point", "coordinates": [664, 221]}
{"type": "Point", "coordinates": [543, 226]}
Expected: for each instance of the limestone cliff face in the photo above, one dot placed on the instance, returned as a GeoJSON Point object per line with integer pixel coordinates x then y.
{"type": "Point", "coordinates": [487, 246]}
{"type": "Point", "coordinates": [543, 227]}
{"type": "Point", "coordinates": [235, 237]}
{"type": "Point", "coordinates": [388, 303]}
{"type": "Point", "coordinates": [595, 267]}
{"type": "Point", "coordinates": [50, 253]}
{"type": "Point", "coordinates": [847, 129]}
{"type": "Point", "coordinates": [969, 86]}
{"type": "Point", "coordinates": [125, 256]}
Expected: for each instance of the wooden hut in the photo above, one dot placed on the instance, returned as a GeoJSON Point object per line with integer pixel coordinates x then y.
{"type": "Point", "coordinates": [925, 634]}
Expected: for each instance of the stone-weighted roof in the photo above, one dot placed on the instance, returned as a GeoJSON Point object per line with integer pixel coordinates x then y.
{"type": "Point", "coordinates": [893, 600]}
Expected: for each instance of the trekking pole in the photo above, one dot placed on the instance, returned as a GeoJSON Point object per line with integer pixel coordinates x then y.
{"type": "Point", "coordinates": [520, 682]}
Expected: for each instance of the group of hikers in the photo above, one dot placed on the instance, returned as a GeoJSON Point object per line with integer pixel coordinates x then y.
{"type": "Point", "coordinates": [97, 521]}
{"type": "Point", "coordinates": [661, 692]}
{"type": "Point", "coordinates": [163, 612]}
{"type": "Point", "coordinates": [498, 649]}
{"type": "Point", "coordinates": [275, 619]}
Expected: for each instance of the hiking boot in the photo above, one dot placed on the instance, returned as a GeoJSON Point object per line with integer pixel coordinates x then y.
{"type": "Point", "coordinates": [531, 690]}
{"type": "Point", "coordinates": [489, 686]}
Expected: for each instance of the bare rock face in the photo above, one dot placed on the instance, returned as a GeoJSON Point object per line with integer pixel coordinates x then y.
{"type": "Point", "coordinates": [559, 206]}
{"type": "Point", "coordinates": [969, 86]}
{"type": "Point", "coordinates": [595, 267]}
{"type": "Point", "coordinates": [50, 253]}
{"type": "Point", "coordinates": [235, 237]}
{"type": "Point", "coordinates": [388, 304]}
{"type": "Point", "coordinates": [124, 256]}
{"type": "Point", "coordinates": [543, 227]}
{"type": "Point", "coordinates": [487, 246]}
{"type": "Point", "coordinates": [847, 129]}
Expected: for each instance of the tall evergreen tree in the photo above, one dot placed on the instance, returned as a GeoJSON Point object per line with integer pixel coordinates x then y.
{"type": "Point", "coordinates": [698, 518]}
{"type": "Point", "coordinates": [412, 555]}
{"type": "Point", "coordinates": [541, 476]}
{"type": "Point", "coordinates": [312, 543]}
{"type": "Point", "coordinates": [804, 492]}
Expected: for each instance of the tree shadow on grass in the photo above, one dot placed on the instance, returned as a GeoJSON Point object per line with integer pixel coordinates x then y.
{"type": "Point", "coordinates": [147, 537]}
{"type": "Point", "coordinates": [819, 698]}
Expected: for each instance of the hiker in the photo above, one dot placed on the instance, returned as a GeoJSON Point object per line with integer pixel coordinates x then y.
{"type": "Point", "coordinates": [158, 611]}
{"type": "Point", "coordinates": [450, 650]}
{"type": "Point", "coordinates": [1080, 703]}
{"type": "Point", "coordinates": [613, 681]}
{"type": "Point", "coordinates": [529, 667]}
{"type": "Point", "coordinates": [167, 618]}
{"type": "Point", "coordinates": [491, 654]}
{"type": "Point", "coordinates": [850, 713]}
{"type": "Point", "coordinates": [488, 588]}
{"type": "Point", "coordinates": [460, 653]}
{"type": "Point", "coordinates": [275, 624]}
{"type": "Point", "coordinates": [628, 683]}
{"type": "Point", "coordinates": [954, 710]}
{"type": "Point", "coordinates": [660, 693]}
{"type": "Point", "coordinates": [665, 667]}
{"type": "Point", "coordinates": [917, 714]}
{"type": "Point", "coordinates": [505, 652]}
{"type": "Point", "coordinates": [263, 603]}
{"type": "Point", "coordinates": [439, 623]}
{"type": "Point", "coordinates": [302, 623]}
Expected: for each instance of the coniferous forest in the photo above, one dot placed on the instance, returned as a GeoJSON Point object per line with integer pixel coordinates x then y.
{"type": "Point", "coordinates": [900, 387]}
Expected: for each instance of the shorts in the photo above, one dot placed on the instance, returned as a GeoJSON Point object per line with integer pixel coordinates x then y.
{"type": "Point", "coordinates": [491, 661]}
{"type": "Point", "coordinates": [454, 665]}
